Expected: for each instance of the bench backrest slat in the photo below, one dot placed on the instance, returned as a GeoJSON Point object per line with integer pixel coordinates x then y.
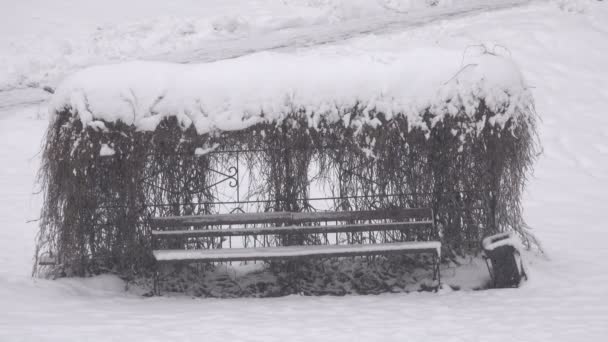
{"type": "Point", "coordinates": [394, 214]}
{"type": "Point", "coordinates": [340, 228]}
{"type": "Point", "coordinates": [222, 219]}
{"type": "Point", "coordinates": [291, 217]}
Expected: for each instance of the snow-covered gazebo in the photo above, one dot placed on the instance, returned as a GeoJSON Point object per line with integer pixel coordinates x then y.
{"type": "Point", "coordinates": [289, 132]}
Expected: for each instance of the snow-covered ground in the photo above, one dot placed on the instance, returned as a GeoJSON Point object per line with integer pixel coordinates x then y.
{"type": "Point", "coordinates": [43, 41]}
{"type": "Point", "coordinates": [560, 47]}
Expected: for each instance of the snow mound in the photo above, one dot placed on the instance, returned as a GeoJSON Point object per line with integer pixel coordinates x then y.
{"type": "Point", "coordinates": [235, 94]}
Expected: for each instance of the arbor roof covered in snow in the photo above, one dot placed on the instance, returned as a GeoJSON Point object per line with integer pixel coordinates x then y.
{"type": "Point", "coordinates": [235, 94]}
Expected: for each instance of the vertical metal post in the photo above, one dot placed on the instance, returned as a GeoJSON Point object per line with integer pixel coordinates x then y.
{"type": "Point", "coordinates": [434, 267]}
{"type": "Point", "coordinates": [155, 290]}
{"type": "Point", "coordinates": [438, 272]}
{"type": "Point", "coordinates": [238, 180]}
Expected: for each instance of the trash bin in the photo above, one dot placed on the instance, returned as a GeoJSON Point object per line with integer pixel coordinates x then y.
{"type": "Point", "coordinates": [503, 260]}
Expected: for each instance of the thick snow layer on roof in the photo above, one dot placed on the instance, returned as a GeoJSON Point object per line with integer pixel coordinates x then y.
{"type": "Point", "coordinates": [235, 94]}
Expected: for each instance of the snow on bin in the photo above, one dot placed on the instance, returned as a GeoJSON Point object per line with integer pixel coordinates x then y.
{"type": "Point", "coordinates": [503, 260]}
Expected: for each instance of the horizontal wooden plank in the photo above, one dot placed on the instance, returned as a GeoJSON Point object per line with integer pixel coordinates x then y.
{"type": "Point", "coordinates": [222, 219]}
{"type": "Point", "coordinates": [295, 252]}
{"type": "Point", "coordinates": [394, 214]}
{"type": "Point", "coordinates": [291, 217]}
{"type": "Point", "coordinates": [343, 228]}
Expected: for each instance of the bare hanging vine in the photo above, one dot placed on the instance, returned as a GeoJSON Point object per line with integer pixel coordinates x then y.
{"type": "Point", "coordinates": [97, 208]}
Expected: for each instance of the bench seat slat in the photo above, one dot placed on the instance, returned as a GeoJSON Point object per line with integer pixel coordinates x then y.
{"type": "Point", "coordinates": [291, 217]}
{"type": "Point", "coordinates": [293, 229]}
{"type": "Point", "coordinates": [294, 252]}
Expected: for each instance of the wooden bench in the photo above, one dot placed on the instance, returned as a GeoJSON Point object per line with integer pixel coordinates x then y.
{"type": "Point", "coordinates": [404, 224]}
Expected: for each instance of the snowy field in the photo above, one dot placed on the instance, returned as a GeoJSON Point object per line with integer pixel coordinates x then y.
{"type": "Point", "coordinates": [561, 47]}
{"type": "Point", "coordinates": [43, 41]}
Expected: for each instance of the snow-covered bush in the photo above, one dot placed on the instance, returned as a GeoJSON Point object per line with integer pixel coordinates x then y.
{"type": "Point", "coordinates": [410, 130]}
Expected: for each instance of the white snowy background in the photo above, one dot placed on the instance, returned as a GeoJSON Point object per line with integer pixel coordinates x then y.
{"type": "Point", "coordinates": [560, 46]}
